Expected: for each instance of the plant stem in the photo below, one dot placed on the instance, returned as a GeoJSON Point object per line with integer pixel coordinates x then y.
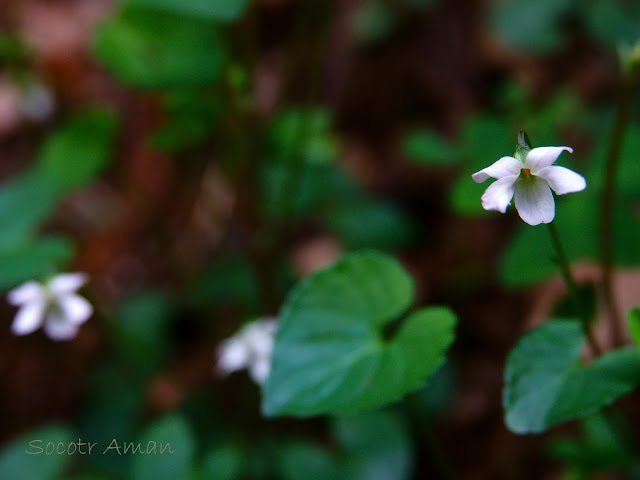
{"type": "Point", "coordinates": [563, 262]}
{"type": "Point", "coordinates": [608, 200]}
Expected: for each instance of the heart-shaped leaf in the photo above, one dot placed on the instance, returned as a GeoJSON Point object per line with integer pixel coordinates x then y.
{"type": "Point", "coordinates": [331, 354]}
{"type": "Point", "coordinates": [546, 383]}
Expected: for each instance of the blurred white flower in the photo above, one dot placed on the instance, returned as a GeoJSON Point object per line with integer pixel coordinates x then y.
{"type": "Point", "coordinates": [529, 181]}
{"type": "Point", "coordinates": [54, 305]}
{"type": "Point", "coordinates": [249, 348]}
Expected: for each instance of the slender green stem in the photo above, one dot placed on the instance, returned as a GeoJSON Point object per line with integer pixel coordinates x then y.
{"type": "Point", "coordinates": [563, 263]}
{"type": "Point", "coordinates": [608, 201]}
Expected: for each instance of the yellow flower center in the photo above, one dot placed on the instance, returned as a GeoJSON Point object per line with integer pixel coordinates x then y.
{"type": "Point", "coordinates": [526, 171]}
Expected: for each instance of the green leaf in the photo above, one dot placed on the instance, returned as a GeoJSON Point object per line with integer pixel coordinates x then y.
{"type": "Point", "coordinates": [33, 260]}
{"type": "Point", "coordinates": [611, 22]}
{"type": "Point", "coordinates": [601, 447]}
{"type": "Point", "coordinates": [148, 49]}
{"type": "Point", "coordinates": [308, 461]}
{"type": "Point", "coordinates": [634, 325]}
{"type": "Point", "coordinates": [193, 115]}
{"type": "Point", "coordinates": [229, 280]}
{"type": "Point", "coordinates": [530, 26]}
{"type": "Point", "coordinates": [331, 355]}
{"type": "Point", "coordinates": [174, 435]}
{"type": "Point", "coordinates": [26, 201]}
{"type": "Point", "coordinates": [69, 159]}
{"type": "Point", "coordinates": [428, 148]}
{"type": "Point", "coordinates": [114, 409]}
{"type": "Point", "coordinates": [17, 464]}
{"type": "Point", "coordinates": [374, 21]}
{"type": "Point", "coordinates": [371, 224]}
{"type": "Point", "coordinates": [376, 446]}
{"type": "Point", "coordinates": [296, 190]}
{"type": "Point", "coordinates": [78, 151]}
{"type": "Point", "coordinates": [303, 136]}
{"type": "Point", "coordinates": [220, 10]}
{"type": "Point", "coordinates": [222, 463]}
{"type": "Point", "coordinates": [546, 385]}
{"type": "Point", "coordinates": [373, 446]}
{"type": "Point", "coordinates": [141, 331]}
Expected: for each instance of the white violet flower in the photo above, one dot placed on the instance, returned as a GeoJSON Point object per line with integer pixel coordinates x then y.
{"type": "Point", "coordinates": [54, 305]}
{"type": "Point", "coordinates": [531, 180]}
{"type": "Point", "coordinates": [249, 348]}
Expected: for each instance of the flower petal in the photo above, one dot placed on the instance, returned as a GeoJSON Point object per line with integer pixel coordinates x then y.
{"type": "Point", "coordinates": [562, 180]}
{"type": "Point", "coordinates": [28, 318]}
{"type": "Point", "coordinates": [58, 328]}
{"type": "Point", "coordinates": [67, 283]}
{"type": "Point", "coordinates": [499, 194]}
{"type": "Point", "coordinates": [76, 309]}
{"type": "Point", "coordinates": [541, 157]}
{"type": "Point", "coordinates": [505, 167]}
{"type": "Point", "coordinates": [259, 337]}
{"type": "Point", "coordinates": [232, 356]}
{"type": "Point", "coordinates": [25, 293]}
{"type": "Point", "coordinates": [534, 201]}
{"type": "Point", "coordinates": [259, 370]}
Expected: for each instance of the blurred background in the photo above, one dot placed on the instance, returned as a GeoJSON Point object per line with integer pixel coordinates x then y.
{"type": "Point", "coordinates": [196, 158]}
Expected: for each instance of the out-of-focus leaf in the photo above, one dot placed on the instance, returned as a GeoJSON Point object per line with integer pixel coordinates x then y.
{"type": "Point", "coordinates": [43, 463]}
{"type": "Point", "coordinates": [372, 224]}
{"type": "Point", "coordinates": [91, 476]}
{"type": "Point", "coordinates": [26, 201]}
{"type": "Point", "coordinates": [220, 10]}
{"type": "Point", "coordinates": [70, 158]}
{"type": "Point", "coordinates": [222, 463]}
{"type": "Point", "coordinates": [296, 190]}
{"type": "Point", "coordinates": [331, 355]}
{"type": "Point", "coordinates": [628, 177]}
{"type": "Point", "coordinates": [373, 446]}
{"type": "Point", "coordinates": [34, 260]}
{"type": "Point", "coordinates": [634, 325]}
{"type": "Point", "coordinates": [155, 49]}
{"type": "Point", "coordinates": [428, 148]}
{"type": "Point", "coordinates": [611, 22]}
{"type": "Point", "coordinates": [230, 280]}
{"type": "Point", "coordinates": [78, 151]}
{"type": "Point", "coordinates": [308, 461]}
{"type": "Point", "coordinates": [437, 395]}
{"type": "Point", "coordinates": [530, 26]}
{"type": "Point", "coordinates": [600, 448]}
{"type": "Point", "coordinates": [141, 330]}
{"type": "Point", "coordinates": [374, 21]}
{"type": "Point", "coordinates": [376, 447]}
{"type": "Point", "coordinates": [193, 116]}
{"type": "Point", "coordinates": [175, 451]}
{"type": "Point", "coordinates": [303, 136]}
{"type": "Point", "coordinates": [546, 385]}
{"type": "Point", "coordinates": [582, 304]}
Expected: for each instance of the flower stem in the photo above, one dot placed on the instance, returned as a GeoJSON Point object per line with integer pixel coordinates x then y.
{"type": "Point", "coordinates": [608, 200]}
{"type": "Point", "coordinates": [563, 262]}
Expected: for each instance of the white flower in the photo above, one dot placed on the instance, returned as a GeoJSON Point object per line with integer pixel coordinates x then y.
{"type": "Point", "coordinates": [530, 181]}
{"type": "Point", "coordinates": [249, 348]}
{"type": "Point", "coordinates": [55, 306]}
